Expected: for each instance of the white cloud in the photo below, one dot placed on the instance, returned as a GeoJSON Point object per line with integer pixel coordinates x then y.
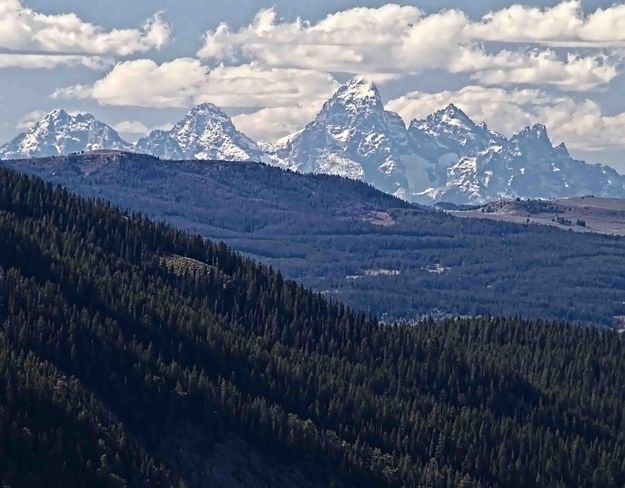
{"type": "Point", "coordinates": [143, 82]}
{"type": "Point", "coordinates": [580, 124]}
{"type": "Point", "coordinates": [564, 23]}
{"type": "Point", "coordinates": [49, 61]}
{"type": "Point", "coordinates": [30, 34]}
{"type": "Point", "coordinates": [185, 81]}
{"type": "Point", "coordinates": [269, 124]}
{"type": "Point", "coordinates": [30, 119]}
{"type": "Point", "coordinates": [131, 127]}
{"type": "Point", "coordinates": [543, 68]}
{"type": "Point", "coordinates": [403, 39]}
{"type": "Point", "coordinates": [249, 85]}
{"type": "Point", "coordinates": [134, 129]}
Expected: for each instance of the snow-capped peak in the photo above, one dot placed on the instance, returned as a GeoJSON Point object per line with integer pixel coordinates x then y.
{"type": "Point", "coordinates": [536, 132]}
{"type": "Point", "coordinates": [356, 100]}
{"type": "Point", "coordinates": [208, 110]}
{"type": "Point", "coordinates": [59, 132]}
{"type": "Point", "coordinates": [56, 114]}
{"type": "Point", "coordinates": [359, 88]}
{"type": "Point", "coordinates": [206, 132]}
{"type": "Point", "coordinates": [451, 131]}
{"type": "Point", "coordinates": [453, 115]}
{"type": "Point", "coordinates": [353, 136]}
{"type": "Point", "coordinates": [449, 119]}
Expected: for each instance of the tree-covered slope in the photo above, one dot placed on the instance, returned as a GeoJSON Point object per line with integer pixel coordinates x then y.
{"type": "Point", "coordinates": [133, 354]}
{"type": "Point", "coordinates": [358, 245]}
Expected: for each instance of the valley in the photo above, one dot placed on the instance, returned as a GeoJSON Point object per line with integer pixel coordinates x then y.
{"type": "Point", "coordinates": [579, 214]}
{"type": "Point", "coordinates": [312, 244]}
{"type": "Point", "coordinates": [333, 233]}
{"type": "Point", "coordinates": [120, 367]}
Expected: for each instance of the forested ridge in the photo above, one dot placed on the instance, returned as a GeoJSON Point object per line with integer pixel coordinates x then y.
{"type": "Point", "coordinates": [115, 330]}
{"type": "Point", "coordinates": [358, 245]}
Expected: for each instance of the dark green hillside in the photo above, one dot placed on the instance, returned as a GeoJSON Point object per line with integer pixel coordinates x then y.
{"type": "Point", "coordinates": [133, 354]}
{"type": "Point", "coordinates": [363, 247]}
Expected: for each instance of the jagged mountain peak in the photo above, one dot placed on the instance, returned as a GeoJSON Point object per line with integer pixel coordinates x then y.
{"type": "Point", "coordinates": [356, 99]}
{"type": "Point", "coordinates": [562, 149]}
{"type": "Point", "coordinates": [359, 88]}
{"type": "Point", "coordinates": [202, 118]}
{"type": "Point", "coordinates": [450, 132]}
{"type": "Point", "coordinates": [59, 115]}
{"type": "Point", "coordinates": [353, 136]}
{"type": "Point", "coordinates": [535, 134]}
{"type": "Point", "coordinates": [205, 132]}
{"type": "Point", "coordinates": [537, 131]}
{"type": "Point", "coordinates": [208, 109]}
{"type": "Point", "coordinates": [454, 112]}
{"type": "Point", "coordinates": [59, 132]}
{"type": "Point", "coordinates": [446, 118]}
{"type": "Point", "coordinates": [56, 114]}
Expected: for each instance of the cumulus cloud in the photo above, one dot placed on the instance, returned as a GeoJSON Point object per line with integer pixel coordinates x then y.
{"type": "Point", "coordinates": [543, 68]}
{"type": "Point", "coordinates": [185, 81]}
{"type": "Point", "coordinates": [49, 61]}
{"type": "Point", "coordinates": [250, 85]}
{"type": "Point", "coordinates": [134, 129]}
{"type": "Point", "coordinates": [31, 35]}
{"type": "Point", "coordinates": [30, 119]}
{"type": "Point", "coordinates": [131, 127]}
{"type": "Point", "coordinates": [143, 82]}
{"type": "Point", "coordinates": [581, 124]}
{"type": "Point", "coordinates": [564, 24]}
{"type": "Point", "coordinates": [525, 65]}
{"type": "Point", "coordinates": [403, 39]}
{"type": "Point", "coordinates": [269, 124]}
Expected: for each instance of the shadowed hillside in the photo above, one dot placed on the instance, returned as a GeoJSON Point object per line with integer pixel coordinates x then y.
{"type": "Point", "coordinates": [134, 354]}
{"type": "Point", "coordinates": [356, 244]}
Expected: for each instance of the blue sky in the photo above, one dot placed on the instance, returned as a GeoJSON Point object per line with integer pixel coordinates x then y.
{"type": "Point", "coordinates": [140, 65]}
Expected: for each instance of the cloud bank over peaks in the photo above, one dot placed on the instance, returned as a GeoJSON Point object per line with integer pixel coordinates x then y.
{"type": "Point", "coordinates": [404, 39]}
{"type": "Point", "coordinates": [538, 64]}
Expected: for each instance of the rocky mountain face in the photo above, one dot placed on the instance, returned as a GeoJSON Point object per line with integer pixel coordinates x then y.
{"type": "Point", "coordinates": [59, 133]}
{"type": "Point", "coordinates": [527, 165]}
{"type": "Point", "coordinates": [206, 132]}
{"type": "Point", "coordinates": [442, 139]}
{"type": "Point", "coordinates": [352, 136]}
{"type": "Point", "coordinates": [443, 157]}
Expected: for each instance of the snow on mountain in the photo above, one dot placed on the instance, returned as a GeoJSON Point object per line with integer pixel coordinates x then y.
{"type": "Point", "coordinates": [61, 133]}
{"type": "Point", "coordinates": [443, 157]}
{"type": "Point", "coordinates": [206, 132]}
{"type": "Point", "coordinates": [442, 139]}
{"type": "Point", "coordinates": [160, 143]}
{"type": "Point", "coordinates": [352, 136]}
{"type": "Point", "coordinates": [452, 131]}
{"type": "Point", "coordinates": [528, 165]}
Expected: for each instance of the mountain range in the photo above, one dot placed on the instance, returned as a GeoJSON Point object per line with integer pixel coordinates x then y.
{"type": "Point", "coordinates": [443, 157]}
